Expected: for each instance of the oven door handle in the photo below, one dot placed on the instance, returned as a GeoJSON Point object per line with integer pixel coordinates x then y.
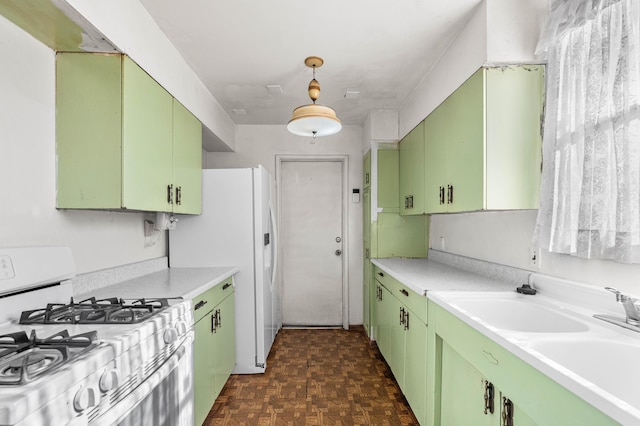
{"type": "Point", "coordinates": [179, 359]}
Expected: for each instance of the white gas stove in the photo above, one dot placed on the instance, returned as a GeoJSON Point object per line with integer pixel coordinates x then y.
{"type": "Point", "coordinates": [92, 361]}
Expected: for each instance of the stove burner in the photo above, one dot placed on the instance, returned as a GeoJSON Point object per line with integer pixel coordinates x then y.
{"type": "Point", "coordinates": [90, 311]}
{"type": "Point", "coordinates": [25, 358]}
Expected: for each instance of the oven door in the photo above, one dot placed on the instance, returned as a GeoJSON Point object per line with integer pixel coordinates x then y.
{"type": "Point", "coordinates": [164, 399]}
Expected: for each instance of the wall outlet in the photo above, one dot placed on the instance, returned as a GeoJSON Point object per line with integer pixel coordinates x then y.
{"type": "Point", "coordinates": [535, 260]}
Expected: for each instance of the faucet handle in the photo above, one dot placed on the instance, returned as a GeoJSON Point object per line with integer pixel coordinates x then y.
{"type": "Point", "coordinates": [619, 296]}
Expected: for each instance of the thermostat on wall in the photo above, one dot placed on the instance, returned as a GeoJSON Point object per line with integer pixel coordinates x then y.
{"type": "Point", "coordinates": [355, 196]}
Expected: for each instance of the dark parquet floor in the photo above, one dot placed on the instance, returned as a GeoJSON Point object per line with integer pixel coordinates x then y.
{"type": "Point", "coordinates": [315, 377]}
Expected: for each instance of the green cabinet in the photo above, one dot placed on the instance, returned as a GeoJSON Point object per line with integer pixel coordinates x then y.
{"type": "Point", "coordinates": [214, 345]}
{"type": "Point", "coordinates": [401, 336]}
{"type": "Point", "coordinates": [465, 363]}
{"type": "Point", "coordinates": [367, 302]}
{"type": "Point", "coordinates": [385, 232]}
{"type": "Point", "coordinates": [122, 141]}
{"type": "Point", "coordinates": [366, 170]}
{"type": "Point", "coordinates": [412, 172]}
{"type": "Point", "coordinates": [483, 143]}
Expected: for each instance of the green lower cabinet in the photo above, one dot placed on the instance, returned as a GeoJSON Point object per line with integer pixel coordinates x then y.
{"type": "Point", "coordinates": [465, 362]}
{"type": "Point", "coordinates": [204, 377]}
{"type": "Point", "coordinates": [384, 311]}
{"type": "Point", "coordinates": [396, 352]}
{"type": "Point", "coordinates": [401, 336]}
{"type": "Point", "coordinates": [468, 398]}
{"type": "Point", "coordinates": [415, 368]}
{"type": "Point", "coordinates": [214, 347]}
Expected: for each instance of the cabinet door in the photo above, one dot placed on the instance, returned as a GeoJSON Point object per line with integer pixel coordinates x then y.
{"type": "Point", "coordinates": [147, 141]}
{"type": "Point", "coordinates": [462, 393]}
{"type": "Point", "coordinates": [224, 350]}
{"type": "Point", "coordinates": [383, 315]}
{"type": "Point", "coordinates": [187, 161]}
{"type": "Point", "coordinates": [388, 179]}
{"type": "Point", "coordinates": [465, 146]}
{"type": "Point", "coordinates": [366, 276]}
{"type": "Point", "coordinates": [415, 369]}
{"type": "Point", "coordinates": [395, 354]}
{"type": "Point", "coordinates": [203, 367]}
{"type": "Point", "coordinates": [88, 131]}
{"type": "Point", "coordinates": [366, 170]}
{"type": "Point", "coordinates": [412, 172]}
{"type": "Point", "coordinates": [436, 127]}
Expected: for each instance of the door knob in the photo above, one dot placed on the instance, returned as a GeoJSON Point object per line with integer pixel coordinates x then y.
{"type": "Point", "coordinates": [338, 252]}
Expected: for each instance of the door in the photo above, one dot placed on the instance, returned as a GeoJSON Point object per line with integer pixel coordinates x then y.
{"type": "Point", "coordinates": [312, 261]}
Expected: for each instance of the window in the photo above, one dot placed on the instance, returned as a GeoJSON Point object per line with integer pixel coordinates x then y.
{"type": "Point", "coordinates": [590, 195]}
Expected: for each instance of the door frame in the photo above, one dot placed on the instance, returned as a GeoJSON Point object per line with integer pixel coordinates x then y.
{"type": "Point", "coordinates": [344, 161]}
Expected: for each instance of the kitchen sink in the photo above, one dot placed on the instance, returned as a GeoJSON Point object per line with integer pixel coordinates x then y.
{"type": "Point", "coordinates": [602, 362]}
{"type": "Point", "coordinates": [514, 312]}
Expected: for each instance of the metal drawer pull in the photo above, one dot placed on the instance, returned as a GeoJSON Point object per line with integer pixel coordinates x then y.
{"type": "Point", "coordinates": [226, 286]}
{"type": "Point", "coordinates": [488, 397]}
{"type": "Point", "coordinates": [170, 194]}
{"type": "Point", "coordinates": [381, 274]}
{"type": "Point", "coordinates": [199, 305]}
{"type": "Point", "coordinates": [405, 292]}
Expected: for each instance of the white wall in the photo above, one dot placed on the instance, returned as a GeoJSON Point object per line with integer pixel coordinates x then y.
{"type": "Point", "coordinates": [511, 30]}
{"type": "Point", "coordinates": [27, 168]}
{"type": "Point", "coordinates": [260, 144]}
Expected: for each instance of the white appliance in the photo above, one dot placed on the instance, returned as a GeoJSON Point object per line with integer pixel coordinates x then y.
{"type": "Point", "coordinates": [91, 362]}
{"type": "Point", "coordinates": [237, 228]}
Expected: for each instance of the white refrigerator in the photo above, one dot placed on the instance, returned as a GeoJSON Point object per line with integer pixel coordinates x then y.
{"type": "Point", "coordinates": [237, 228]}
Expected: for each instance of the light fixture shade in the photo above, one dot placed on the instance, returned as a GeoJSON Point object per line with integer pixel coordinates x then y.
{"type": "Point", "coordinates": [314, 120]}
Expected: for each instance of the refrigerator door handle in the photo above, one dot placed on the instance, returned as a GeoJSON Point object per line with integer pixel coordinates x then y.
{"type": "Point", "coordinates": [274, 245]}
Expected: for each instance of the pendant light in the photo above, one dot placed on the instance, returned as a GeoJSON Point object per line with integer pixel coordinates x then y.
{"type": "Point", "coordinates": [313, 119]}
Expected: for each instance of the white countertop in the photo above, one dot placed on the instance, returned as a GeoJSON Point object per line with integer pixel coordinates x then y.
{"type": "Point", "coordinates": [422, 275]}
{"type": "Point", "coordinates": [185, 283]}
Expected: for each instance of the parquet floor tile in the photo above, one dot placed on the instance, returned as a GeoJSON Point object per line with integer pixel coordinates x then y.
{"type": "Point", "coordinates": [315, 377]}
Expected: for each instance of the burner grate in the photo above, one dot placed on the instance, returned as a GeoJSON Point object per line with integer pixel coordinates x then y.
{"type": "Point", "coordinates": [93, 311]}
{"type": "Point", "coordinates": [29, 357]}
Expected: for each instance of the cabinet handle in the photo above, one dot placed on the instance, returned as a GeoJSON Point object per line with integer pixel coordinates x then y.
{"type": "Point", "coordinates": [441, 195]}
{"type": "Point", "coordinates": [507, 412]}
{"type": "Point", "coordinates": [449, 194]}
{"type": "Point", "coordinates": [226, 286]}
{"type": "Point", "coordinates": [401, 316]}
{"type": "Point", "coordinates": [178, 195]}
{"type": "Point", "coordinates": [219, 318]}
{"type": "Point", "coordinates": [366, 253]}
{"type": "Point", "coordinates": [170, 194]}
{"type": "Point", "coordinates": [408, 202]}
{"type": "Point", "coordinates": [406, 319]}
{"type": "Point", "coordinates": [366, 177]}
{"type": "Point", "coordinates": [214, 323]}
{"type": "Point", "coordinates": [405, 292]}
{"type": "Point", "coordinates": [199, 305]}
{"type": "Point", "coordinates": [488, 397]}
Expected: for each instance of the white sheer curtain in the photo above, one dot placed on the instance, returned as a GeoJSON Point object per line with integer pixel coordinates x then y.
{"type": "Point", "coordinates": [590, 196]}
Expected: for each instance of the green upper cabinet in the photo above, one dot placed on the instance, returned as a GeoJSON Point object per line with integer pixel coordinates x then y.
{"type": "Point", "coordinates": [187, 160]}
{"type": "Point", "coordinates": [122, 141]}
{"type": "Point", "coordinates": [412, 172]}
{"type": "Point", "coordinates": [366, 170]}
{"type": "Point", "coordinates": [146, 141]}
{"type": "Point", "coordinates": [387, 180]}
{"type": "Point", "coordinates": [483, 143]}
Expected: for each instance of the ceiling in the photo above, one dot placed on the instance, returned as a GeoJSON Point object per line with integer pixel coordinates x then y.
{"type": "Point", "coordinates": [379, 48]}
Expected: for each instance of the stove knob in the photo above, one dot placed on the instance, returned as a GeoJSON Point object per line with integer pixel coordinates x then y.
{"type": "Point", "coordinates": [85, 397]}
{"type": "Point", "coordinates": [182, 328]}
{"type": "Point", "coordinates": [109, 380]}
{"type": "Point", "coordinates": [170, 335]}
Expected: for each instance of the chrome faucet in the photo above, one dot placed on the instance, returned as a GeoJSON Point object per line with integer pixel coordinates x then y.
{"type": "Point", "coordinates": [633, 311]}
